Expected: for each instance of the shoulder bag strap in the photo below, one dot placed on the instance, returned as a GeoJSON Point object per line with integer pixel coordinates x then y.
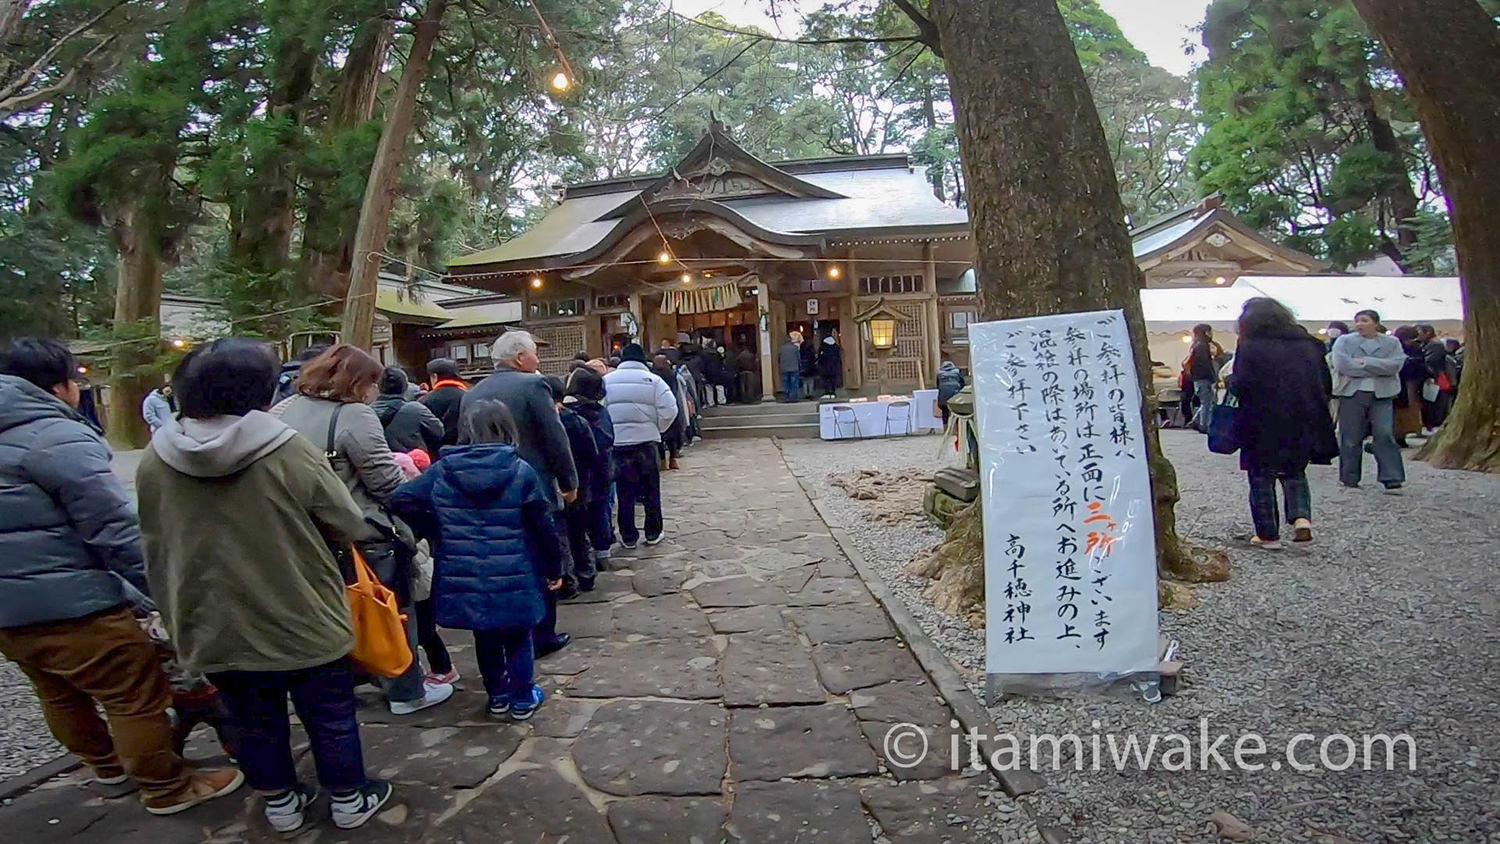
{"type": "Point", "coordinates": [331, 451]}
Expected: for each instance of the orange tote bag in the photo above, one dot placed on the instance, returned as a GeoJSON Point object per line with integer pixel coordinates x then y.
{"type": "Point", "coordinates": [380, 643]}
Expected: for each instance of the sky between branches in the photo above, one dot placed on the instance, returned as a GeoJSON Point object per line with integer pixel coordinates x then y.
{"type": "Point", "coordinates": [1157, 27]}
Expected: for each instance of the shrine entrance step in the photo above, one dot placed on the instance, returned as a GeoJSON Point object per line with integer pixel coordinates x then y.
{"type": "Point", "coordinates": [763, 419]}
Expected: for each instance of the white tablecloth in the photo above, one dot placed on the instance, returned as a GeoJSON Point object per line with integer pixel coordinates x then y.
{"type": "Point", "coordinates": [925, 412]}
{"type": "Point", "coordinates": [875, 418]}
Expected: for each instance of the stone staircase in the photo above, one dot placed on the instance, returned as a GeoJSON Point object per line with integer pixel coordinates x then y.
{"type": "Point", "coordinates": [763, 419]}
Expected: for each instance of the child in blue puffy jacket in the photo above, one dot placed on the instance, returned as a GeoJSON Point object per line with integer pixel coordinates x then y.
{"type": "Point", "coordinates": [495, 549]}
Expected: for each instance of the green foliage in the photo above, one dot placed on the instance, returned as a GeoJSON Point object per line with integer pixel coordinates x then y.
{"type": "Point", "coordinates": [1309, 132]}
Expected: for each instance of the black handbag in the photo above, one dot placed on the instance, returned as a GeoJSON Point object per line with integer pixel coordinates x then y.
{"type": "Point", "coordinates": [393, 555]}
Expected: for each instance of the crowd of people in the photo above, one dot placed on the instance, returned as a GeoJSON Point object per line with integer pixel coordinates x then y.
{"type": "Point", "coordinates": [1384, 385]}
{"type": "Point", "coordinates": [478, 506]}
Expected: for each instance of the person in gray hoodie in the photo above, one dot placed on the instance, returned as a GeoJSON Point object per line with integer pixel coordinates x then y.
{"type": "Point", "coordinates": [1367, 376]}
{"type": "Point", "coordinates": [69, 540]}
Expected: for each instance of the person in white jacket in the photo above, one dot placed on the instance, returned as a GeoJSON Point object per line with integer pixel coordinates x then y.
{"type": "Point", "coordinates": [641, 406]}
{"type": "Point", "coordinates": [157, 409]}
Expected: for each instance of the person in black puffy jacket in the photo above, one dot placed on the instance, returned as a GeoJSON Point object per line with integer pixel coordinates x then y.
{"type": "Point", "coordinates": [409, 425]}
{"type": "Point", "coordinates": [949, 381]}
{"type": "Point", "coordinates": [576, 514]}
{"type": "Point", "coordinates": [586, 398]}
{"type": "Point", "coordinates": [496, 550]}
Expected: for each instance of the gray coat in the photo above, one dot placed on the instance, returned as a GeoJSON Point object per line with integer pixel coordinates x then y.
{"type": "Point", "coordinates": [68, 532]}
{"type": "Point", "coordinates": [789, 358]}
{"type": "Point", "coordinates": [409, 425]}
{"type": "Point", "coordinates": [543, 442]}
{"type": "Point", "coordinates": [361, 458]}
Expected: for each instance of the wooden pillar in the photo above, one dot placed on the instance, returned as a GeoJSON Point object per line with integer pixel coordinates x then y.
{"type": "Point", "coordinates": [934, 340]}
{"type": "Point", "coordinates": [767, 351]}
{"type": "Point", "coordinates": [855, 348]}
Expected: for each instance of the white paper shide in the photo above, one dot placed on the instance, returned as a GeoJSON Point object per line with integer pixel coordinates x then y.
{"type": "Point", "coordinates": [1070, 556]}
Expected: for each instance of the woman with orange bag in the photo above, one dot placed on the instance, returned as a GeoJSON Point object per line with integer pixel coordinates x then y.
{"type": "Point", "coordinates": [237, 512]}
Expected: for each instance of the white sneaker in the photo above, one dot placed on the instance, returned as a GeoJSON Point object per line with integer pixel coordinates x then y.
{"type": "Point", "coordinates": [287, 812]}
{"type": "Point", "coordinates": [433, 695]}
{"type": "Point", "coordinates": [350, 811]}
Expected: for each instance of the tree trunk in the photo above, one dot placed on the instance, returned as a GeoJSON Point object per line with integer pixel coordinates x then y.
{"type": "Point", "coordinates": [262, 217]}
{"type": "Point", "coordinates": [137, 330]}
{"type": "Point", "coordinates": [1448, 53]}
{"type": "Point", "coordinates": [11, 12]}
{"type": "Point", "coordinates": [1395, 188]}
{"type": "Point", "coordinates": [1044, 204]}
{"type": "Point", "coordinates": [380, 190]}
{"type": "Point", "coordinates": [327, 261]}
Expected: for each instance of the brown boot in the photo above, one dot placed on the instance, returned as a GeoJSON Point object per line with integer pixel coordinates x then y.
{"type": "Point", "coordinates": [203, 786]}
{"type": "Point", "coordinates": [672, 464]}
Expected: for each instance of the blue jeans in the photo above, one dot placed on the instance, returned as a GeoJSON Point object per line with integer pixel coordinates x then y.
{"type": "Point", "coordinates": [506, 661]}
{"type": "Point", "coordinates": [1204, 392]}
{"type": "Point", "coordinates": [1362, 415]}
{"type": "Point", "coordinates": [324, 699]}
{"type": "Point", "coordinates": [791, 383]}
{"type": "Point", "coordinates": [1263, 500]}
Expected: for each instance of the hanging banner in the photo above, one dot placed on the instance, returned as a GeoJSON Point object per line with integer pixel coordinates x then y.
{"type": "Point", "coordinates": [700, 300]}
{"type": "Point", "coordinates": [1069, 544]}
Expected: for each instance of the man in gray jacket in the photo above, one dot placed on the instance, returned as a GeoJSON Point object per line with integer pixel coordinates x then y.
{"type": "Point", "coordinates": [68, 540]}
{"type": "Point", "coordinates": [1367, 377]}
{"type": "Point", "coordinates": [543, 443]}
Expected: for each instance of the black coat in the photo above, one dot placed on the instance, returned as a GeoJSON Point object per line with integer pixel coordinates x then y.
{"type": "Point", "coordinates": [830, 366]}
{"type": "Point", "coordinates": [444, 403]}
{"type": "Point", "coordinates": [1283, 386]}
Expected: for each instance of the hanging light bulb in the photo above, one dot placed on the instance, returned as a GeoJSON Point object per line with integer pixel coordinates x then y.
{"type": "Point", "coordinates": [664, 257]}
{"type": "Point", "coordinates": [536, 282]}
{"type": "Point", "coordinates": [687, 278]}
{"type": "Point", "coordinates": [179, 344]}
{"type": "Point", "coordinates": [561, 82]}
{"type": "Point", "coordinates": [834, 272]}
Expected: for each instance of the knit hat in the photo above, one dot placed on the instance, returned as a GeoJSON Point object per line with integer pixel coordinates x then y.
{"type": "Point", "coordinates": [586, 384]}
{"type": "Point", "coordinates": [633, 351]}
{"type": "Point", "coordinates": [555, 384]}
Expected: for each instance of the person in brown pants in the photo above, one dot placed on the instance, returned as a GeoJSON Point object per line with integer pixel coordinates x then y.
{"type": "Point", "coordinates": [69, 541]}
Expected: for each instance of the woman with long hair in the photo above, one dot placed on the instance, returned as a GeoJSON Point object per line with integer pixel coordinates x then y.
{"type": "Point", "coordinates": [1283, 385]}
{"type": "Point", "coordinates": [332, 410]}
{"type": "Point", "coordinates": [1202, 372]}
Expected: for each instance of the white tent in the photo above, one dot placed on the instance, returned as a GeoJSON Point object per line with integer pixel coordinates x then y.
{"type": "Point", "coordinates": [1400, 299]}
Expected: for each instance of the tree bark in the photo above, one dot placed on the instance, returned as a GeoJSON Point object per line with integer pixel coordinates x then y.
{"type": "Point", "coordinates": [1448, 53]}
{"type": "Point", "coordinates": [327, 261]}
{"type": "Point", "coordinates": [137, 330]}
{"type": "Point", "coordinates": [380, 190]}
{"type": "Point", "coordinates": [1044, 203]}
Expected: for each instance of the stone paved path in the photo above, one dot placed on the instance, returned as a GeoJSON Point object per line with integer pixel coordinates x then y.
{"type": "Point", "coordinates": [733, 683]}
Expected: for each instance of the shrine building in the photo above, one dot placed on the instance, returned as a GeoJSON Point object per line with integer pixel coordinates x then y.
{"type": "Point", "coordinates": [728, 246]}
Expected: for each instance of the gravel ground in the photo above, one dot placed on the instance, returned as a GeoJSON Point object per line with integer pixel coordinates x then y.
{"type": "Point", "coordinates": [24, 740]}
{"type": "Point", "coordinates": [1389, 623]}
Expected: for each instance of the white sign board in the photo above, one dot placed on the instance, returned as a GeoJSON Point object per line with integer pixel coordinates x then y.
{"type": "Point", "coordinates": [812, 307]}
{"type": "Point", "coordinates": [1069, 546]}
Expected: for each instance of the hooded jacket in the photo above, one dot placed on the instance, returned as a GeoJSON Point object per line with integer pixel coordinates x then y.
{"type": "Point", "coordinates": [641, 406]}
{"type": "Point", "coordinates": [408, 425]}
{"type": "Point", "coordinates": [237, 513]}
{"type": "Point", "coordinates": [67, 530]}
{"type": "Point", "coordinates": [596, 486]}
{"type": "Point", "coordinates": [494, 543]}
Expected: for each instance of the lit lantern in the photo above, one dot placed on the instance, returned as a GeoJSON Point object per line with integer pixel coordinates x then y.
{"type": "Point", "coordinates": [879, 323]}
{"type": "Point", "coordinates": [883, 333]}
{"type": "Point", "coordinates": [561, 82]}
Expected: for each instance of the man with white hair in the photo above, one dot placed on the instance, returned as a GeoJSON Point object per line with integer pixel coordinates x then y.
{"type": "Point", "coordinates": [542, 442]}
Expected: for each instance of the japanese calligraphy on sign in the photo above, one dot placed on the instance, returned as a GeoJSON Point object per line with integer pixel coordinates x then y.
{"type": "Point", "coordinates": [1069, 546]}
